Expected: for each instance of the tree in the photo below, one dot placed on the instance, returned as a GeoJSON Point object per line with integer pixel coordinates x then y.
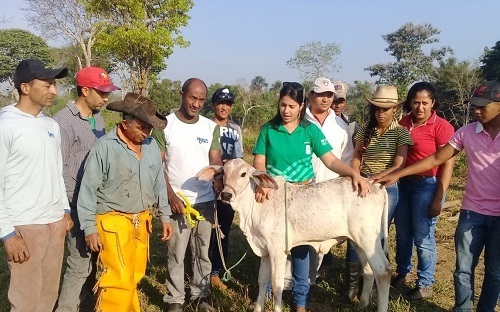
{"type": "Point", "coordinates": [276, 87]}
{"type": "Point", "coordinates": [141, 34]}
{"type": "Point", "coordinates": [491, 63]}
{"type": "Point", "coordinates": [357, 105]}
{"type": "Point", "coordinates": [258, 84]}
{"type": "Point", "coordinates": [412, 64]}
{"type": "Point", "coordinates": [455, 82]}
{"type": "Point", "coordinates": [65, 19]}
{"type": "Point", "coordinates": [165, 95]}
{"type": "Point", "coordinates": [17, 45]}
{"type": "Point", "coordinates": [315, 60]}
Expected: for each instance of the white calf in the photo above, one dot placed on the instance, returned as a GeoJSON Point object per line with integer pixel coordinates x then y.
{"type": "Point", "coordinates": [317, 215]}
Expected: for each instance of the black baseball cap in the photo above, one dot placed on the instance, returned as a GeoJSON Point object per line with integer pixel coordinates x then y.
{"type": "Point", "coordinates": [223, 95]}
{"type": "Point", "coordinates": [486, 93]}
{"type": "Point", "coordinates": [30, 69]}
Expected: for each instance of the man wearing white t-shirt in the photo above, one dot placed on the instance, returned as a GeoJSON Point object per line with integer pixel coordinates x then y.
{"type": "Point", "coordinates": [336, 132]}
{"type": "Point", "coordinates": [192, 142]}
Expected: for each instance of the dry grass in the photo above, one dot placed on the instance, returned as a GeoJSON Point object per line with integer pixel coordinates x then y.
{"type": "Point", "coordinates": [325, 297]}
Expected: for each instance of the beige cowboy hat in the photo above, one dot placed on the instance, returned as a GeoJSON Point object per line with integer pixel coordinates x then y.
{"type": "Point", "coordinates": [141, 108]}
{"type": "Point", "coordinates": [385, 97]}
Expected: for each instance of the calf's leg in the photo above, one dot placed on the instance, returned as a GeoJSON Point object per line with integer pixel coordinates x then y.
{"type": "Point", "coordinates": [278, 265]}
{"type": "Point", "coordinates": [264, 278]}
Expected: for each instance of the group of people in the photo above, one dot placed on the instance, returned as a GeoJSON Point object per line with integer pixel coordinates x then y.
{"type": "Point", "coordinates": [68, 179]}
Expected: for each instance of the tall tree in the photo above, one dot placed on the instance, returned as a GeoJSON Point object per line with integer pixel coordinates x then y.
{"type": "Point", "coordinates": [68, 20]}
{"type": "Point", "coordinates": [411, 64]}
{"type": "Point", "coordinates": [455, 82]}
{"type": "Point", "coordinates": [141, 34]}
{"type": "Point", "coordinates": [258, 84]}
{"type": "Point", "coordinates": [17, 45]}
{"type": "Point", "coordinates": [357, 105]}
{"type": "Point", "coordinates": [165, 95]}
{"type": "Point", "coordinates": [491, 63]}
{"type": "Point", "coordinates": [315, 59]}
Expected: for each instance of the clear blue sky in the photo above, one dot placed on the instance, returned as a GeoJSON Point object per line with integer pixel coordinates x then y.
{"type": "Point", "coordinates": [232, 40]}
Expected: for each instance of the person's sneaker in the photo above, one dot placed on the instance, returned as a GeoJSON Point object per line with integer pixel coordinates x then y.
{"type": "Point", "coordinates": [174, 307]}
{"type": "Point", "coordinates": [202, 305]}
{"type": "Point", "coordinates": [398, 281]}
{"type": "Point", "coordinates": [217, 282]}
{"type": "Point", "coordinates": [419, 294]}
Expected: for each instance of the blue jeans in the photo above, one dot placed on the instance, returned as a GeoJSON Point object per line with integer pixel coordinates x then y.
{"type": "Point", "coordinates": [393, 194]}
{"type": "Point", "coordinates": [413, 226]}
{"type": "Point", "coordinates": [300, 273]}
{"type": "Point", "coordinates": [474, 233]}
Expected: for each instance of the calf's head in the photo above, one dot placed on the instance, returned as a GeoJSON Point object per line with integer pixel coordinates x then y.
{"type": "Point", "coordinates": [237, 175]}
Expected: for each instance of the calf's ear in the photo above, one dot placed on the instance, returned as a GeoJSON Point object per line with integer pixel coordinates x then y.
{"type": "Point", "coordinates": [209, 172]}
{"type": "Point", "coordinates": [262, 179]}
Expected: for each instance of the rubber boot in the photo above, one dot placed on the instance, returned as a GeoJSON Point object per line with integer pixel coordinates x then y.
{"type": "Point", "coordinates": [354, 274]}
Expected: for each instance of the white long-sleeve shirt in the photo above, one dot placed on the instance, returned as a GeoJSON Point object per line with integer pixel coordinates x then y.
{"type": "Point", "coordinates": [32, 188]}
{"type": "Point", "coordinates": [337, 134]}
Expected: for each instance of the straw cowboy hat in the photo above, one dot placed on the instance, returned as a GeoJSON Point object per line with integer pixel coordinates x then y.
{"type": "Point", "coordinates": [141, 108]}
{"type": "Point", "coordinates": [385, 97]}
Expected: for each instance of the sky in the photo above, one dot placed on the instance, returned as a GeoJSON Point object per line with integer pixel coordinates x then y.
{"type": "Point", "coordinates": [235, 40]}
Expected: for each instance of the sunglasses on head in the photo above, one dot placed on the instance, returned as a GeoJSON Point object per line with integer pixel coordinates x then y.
{"type": "Point", "coordinates": [293, 85]}
{"type": "Point", "coordinates": [226, 96]}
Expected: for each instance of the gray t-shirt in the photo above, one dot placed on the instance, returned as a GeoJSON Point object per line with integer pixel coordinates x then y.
{"type": "Point", "coordinates": [231, 141]}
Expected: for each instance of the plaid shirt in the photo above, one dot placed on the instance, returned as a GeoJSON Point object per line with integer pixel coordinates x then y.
{"type": "Point", "coordinates": [77, 138]}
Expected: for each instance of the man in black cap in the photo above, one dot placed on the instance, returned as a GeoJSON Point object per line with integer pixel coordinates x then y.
{"type": "Point", "coordinates": [231, 143]}
{"type": "Point", "coordinates": [122, 187]}
{"type": "Point", "coordinates": [34, 209]}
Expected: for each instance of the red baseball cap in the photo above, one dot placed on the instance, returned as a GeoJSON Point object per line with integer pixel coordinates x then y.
{"type": "Point", "coordinates": [96, 78]}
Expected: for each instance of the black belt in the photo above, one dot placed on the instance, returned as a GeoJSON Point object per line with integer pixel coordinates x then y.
{"type": "Point", "coordinates": [416, 177]}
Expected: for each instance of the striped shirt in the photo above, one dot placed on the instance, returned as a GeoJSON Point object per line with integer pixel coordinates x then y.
{"type": "Point", "coordinates": [77, 138]}
{"type": "Point", "coordinates": [380, 152]}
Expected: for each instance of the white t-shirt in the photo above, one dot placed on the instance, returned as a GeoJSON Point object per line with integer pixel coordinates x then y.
{"type": "Point", "coordinates": [32, 189]}
{"type": "Point", "coordinates": [337, 134]}
{"type": "Point", "coordinates": [187, 152]}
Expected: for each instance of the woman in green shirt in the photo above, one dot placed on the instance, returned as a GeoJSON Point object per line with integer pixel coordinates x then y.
{"type": "Point", "coordinates": [284, 148]}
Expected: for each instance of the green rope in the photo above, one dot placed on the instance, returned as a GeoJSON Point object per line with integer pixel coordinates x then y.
{"type": "Point", "coordinates": [227, 275]}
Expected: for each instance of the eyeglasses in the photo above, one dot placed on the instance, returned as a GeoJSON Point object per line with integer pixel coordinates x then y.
{"type": "Point", "coordinates": [293, 85]}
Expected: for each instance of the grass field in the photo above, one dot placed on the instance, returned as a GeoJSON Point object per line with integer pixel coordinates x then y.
{"type": "Point", "coordinates": [324, 298]}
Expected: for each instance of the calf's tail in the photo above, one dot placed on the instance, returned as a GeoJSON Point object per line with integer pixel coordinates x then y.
{"type": "Point", "coordinates": [385, 224]}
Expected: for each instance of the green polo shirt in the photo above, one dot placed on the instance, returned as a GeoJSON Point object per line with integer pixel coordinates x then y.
{"type": "Point", "coordinates": [290, 154]}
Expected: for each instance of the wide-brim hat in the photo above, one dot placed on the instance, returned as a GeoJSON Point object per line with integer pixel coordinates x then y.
{"type": "Point", "coordinates": [385, 97]}
{"type": "Point", "coordinates": [141, 108]}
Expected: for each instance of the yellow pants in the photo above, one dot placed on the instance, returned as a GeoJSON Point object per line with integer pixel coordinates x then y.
{"type": "Point", "coordinates": [125, 252]}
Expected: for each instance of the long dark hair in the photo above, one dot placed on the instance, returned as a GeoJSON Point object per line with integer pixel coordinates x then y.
{"type": "Point", "coordinates": [294, 90]}
{"type": "Point", "coordinates": [371, 127]}
{"type": "Point", "coordinates": [412, 93]}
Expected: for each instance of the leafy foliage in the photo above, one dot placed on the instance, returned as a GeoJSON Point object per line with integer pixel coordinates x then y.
{"type": "Point", "coordinates": [66, 19]}
{"type": "Point", "coordinates": [491, 63]}
{"type": "Point", "coordinates": [356, 105]}
{"type": "Point", "coordinates": [455, 82]}
{"type": "Point", "coordinates": [258, 84]}
{"type": "Point", "coordinates": [17, 45]}
{"type": "Point", "coordinates": [315, 60]}
{"type": "Point", "coordinates": [165, 95]}
{"type": "Point", "coordinates": [411, 64]}
{"type": "Point", "coordinates": [140, 34]}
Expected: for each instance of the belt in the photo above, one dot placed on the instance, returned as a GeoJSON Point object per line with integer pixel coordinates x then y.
{"type": "Point", "coordinates": [416, 177]}
{"type": "Point", "coordinates": [302, 182]}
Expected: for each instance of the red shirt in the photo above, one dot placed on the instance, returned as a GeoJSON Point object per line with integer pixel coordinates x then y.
{"type": "Point", "coordinates": [427, 138]}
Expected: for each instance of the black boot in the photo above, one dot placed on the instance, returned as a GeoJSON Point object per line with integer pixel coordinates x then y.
{"type": "Point", "coordinates": [354, 273]}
